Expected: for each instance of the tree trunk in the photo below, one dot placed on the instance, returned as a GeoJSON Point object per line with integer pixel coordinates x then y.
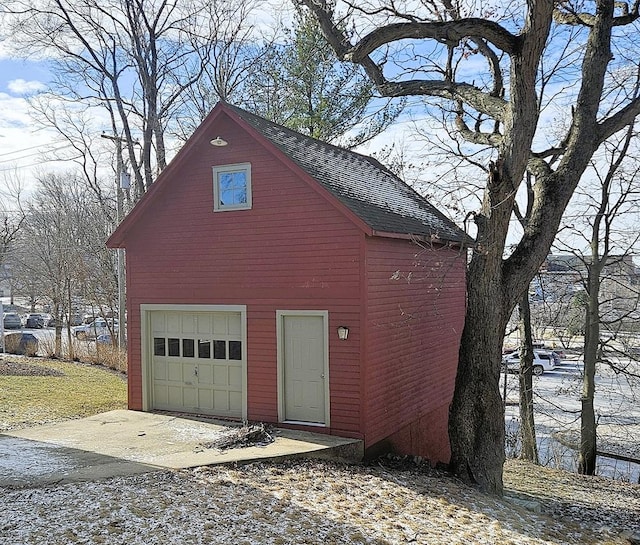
{"type": "Point", "coordinates": [58, 333]}
{"type": "Point", "coordinates": [72, 355]}
{"type": "Point", "coordinates": [476, 416]}
{"type": "Point", "coordinates": [587, 455]}
{"type": "Point", "coordinates": [525, 379]}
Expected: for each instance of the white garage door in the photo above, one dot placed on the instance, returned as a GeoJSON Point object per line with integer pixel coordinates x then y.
{"type": "Point", "coordinates": [197, 362]}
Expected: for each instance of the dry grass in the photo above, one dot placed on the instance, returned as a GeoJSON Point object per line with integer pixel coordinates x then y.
{"type": "Point", "coordinates": [302, 503]}
{"type": "Point", "coordinates": [418, 505]}
{"type": "Point", "coordinates": [87, 351]}
{"type": "Point", "coordinates": [82, 390]}
{"type": "Point", "coordinates": [108, 356]}
{"type": "Point", "coordinates": [591, 501]}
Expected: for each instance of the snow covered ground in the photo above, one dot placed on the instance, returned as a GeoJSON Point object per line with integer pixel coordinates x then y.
{"type": "Point", "coordinates": [311, 503]}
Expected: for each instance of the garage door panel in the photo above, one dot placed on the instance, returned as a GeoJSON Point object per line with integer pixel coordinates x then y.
{"type": "Point", "coordinates": [188, 323]}
{"type": "Point", "coordinates": [196, 362]}
{"type": "Point", "coordinates": [235, 401]}
{"type": "Point", "coordinates": [174, 371]}
{"type": "Point", "coordinates": [160, 369]}
{"type": "Point", "coordinates": [220, 374]}
{"type": "Point", "coordinates": [235, 325]}
{"type": "Point", "coordinates": [189, 375]}
{"type": "Point", "coordinates": [190, 397]}
{"type": "Point", "coordinates": [205, 399]}
{"type": "Point", "coordinates": [205, 374]}
{"type": "Point", "coordinates": [173, 322]}
{"type": "Point", "coordinates": [158, 322]}
{"type": "Point", "coordinates": [221, 400]}
{"type": "Point", "coordinates": [220, 325]}
{"type": "Point", "coordinates": [174, 396]}
{"type": "Point", "coordinates": [235, 376]}
{"type": "Point", "coordinates": [204, 324]}
{"type": "Point", "coordinates": [161, 395]}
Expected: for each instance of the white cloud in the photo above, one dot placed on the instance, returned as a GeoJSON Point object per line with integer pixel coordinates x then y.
{"type": "Point", "coordinates": [22, 87]}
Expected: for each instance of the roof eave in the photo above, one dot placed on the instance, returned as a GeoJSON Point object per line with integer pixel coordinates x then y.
{"type": "Point", "coordinates": [430, 239]}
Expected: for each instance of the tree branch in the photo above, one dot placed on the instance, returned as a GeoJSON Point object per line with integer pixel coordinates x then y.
{"type": "Point", "coordinates": [449, 32]}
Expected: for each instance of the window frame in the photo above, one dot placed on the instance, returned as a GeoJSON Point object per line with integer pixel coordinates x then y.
{"type": "Point", "coordinates": [222, 169]}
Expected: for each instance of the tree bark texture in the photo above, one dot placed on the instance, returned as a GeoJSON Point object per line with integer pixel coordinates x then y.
{"type": "Point", "coordinates": [525, 380]}
{"type": "Point", "coordinates": [476, 417]}
{"type": "Point", "coordinates": [587, 456]}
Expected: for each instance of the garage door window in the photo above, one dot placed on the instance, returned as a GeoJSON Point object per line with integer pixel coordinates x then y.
{"type": "Point", "coordinates": [188, 348]}
{"type": "Point", "coordinates": [204, 349]}
{"type": "Point", "coordinates": [174, 347]}
{"type": "Point", "coordinates": [235, 350]}
{"type": "Point", "coordinates": [222, 350]}
{"type": "Point", "coordinates": [159, 346]}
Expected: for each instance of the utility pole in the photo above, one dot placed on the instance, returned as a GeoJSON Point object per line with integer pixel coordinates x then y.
{"type": "Point", "coordinates": [122, 182]}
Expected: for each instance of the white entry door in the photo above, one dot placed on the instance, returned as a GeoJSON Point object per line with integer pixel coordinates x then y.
{"type": "Point", "coordinates": [304, 368]}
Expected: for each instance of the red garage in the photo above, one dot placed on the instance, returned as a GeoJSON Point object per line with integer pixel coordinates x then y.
{"type": "Point", "coordinates": [272, 277]}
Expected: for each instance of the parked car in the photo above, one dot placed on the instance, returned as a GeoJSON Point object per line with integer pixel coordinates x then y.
{"type": "Point", "coordinates": [105, 338]}
{"type": "Point", "coordinates": [75, 319]}
{"type": "Point", "coordinates": [99, 326]}
{"type": "Point", "coordinates": [535, 344]}
{"type": "Point", "coordinates": [49, 320]}
{"type": "Point", "coordinates": [11, 320]}
{"type": "Point", "coordinates": [34, 321]}
{"type": "Point", "coordinates": [543, 360]}
{"type": "Point", "coordinates": [21, 343]}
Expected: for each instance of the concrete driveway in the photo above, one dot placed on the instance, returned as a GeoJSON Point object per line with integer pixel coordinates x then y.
{"type": "Point", "coordinates": [127, 442]}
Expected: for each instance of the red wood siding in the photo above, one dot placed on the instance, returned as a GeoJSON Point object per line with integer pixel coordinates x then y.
{"type": "Point", "coordinates": [415, 313]}
{"type": "Point", "coordinates": [292, 250]}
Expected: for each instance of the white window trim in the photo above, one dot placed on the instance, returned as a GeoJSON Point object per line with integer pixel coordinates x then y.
{"type": "Point", "coordinates": [216, 189]}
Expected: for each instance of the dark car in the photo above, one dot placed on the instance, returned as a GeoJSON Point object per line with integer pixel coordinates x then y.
{"type": "Point", "coordinates": [34, 321]}
{"type": "Point", "coordinates": [12, 320]}
{"type": "Point", "coordinates": [21, 343]}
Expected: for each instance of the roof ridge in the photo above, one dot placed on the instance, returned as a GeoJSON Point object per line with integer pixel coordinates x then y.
{"type": "Point", "coordinates": [373, 192]}
{"type": "Point", "coordinates": [311, 139]}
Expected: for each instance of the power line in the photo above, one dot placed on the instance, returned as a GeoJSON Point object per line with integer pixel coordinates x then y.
{"type": "Point", "coordinates": [19, 151]}
{"type": "Point", "coordinates": [65, 146]}
{"type": "Point", "coordinates": [21, 167]}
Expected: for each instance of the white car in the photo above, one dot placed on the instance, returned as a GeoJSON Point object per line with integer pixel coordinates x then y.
{"type": "Point", "coordinates": [543, 360]}
{"type": "Point", "coordinates": [99, 326]}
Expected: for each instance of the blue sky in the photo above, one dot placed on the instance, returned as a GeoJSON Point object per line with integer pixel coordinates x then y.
{"type": "Point", "coordinates": [21, 139]}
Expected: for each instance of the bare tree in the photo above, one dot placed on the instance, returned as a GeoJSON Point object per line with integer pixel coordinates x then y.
{"type": "Point", "coordinates": [135, 58]}
{"type": "Point", "coordinates": [483, 69]}
{"type": "Point", "coordinates": [607, 203]}
{"type": "Point", "coordinates": [525, 375]}
{"type": "Point", "coordinates": [61, 253]}
{"type": "Point", "coordinates": [11, 221]}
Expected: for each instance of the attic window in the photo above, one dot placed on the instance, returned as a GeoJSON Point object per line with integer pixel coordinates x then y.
{"type": "Point", "coordinates": [232, 187]}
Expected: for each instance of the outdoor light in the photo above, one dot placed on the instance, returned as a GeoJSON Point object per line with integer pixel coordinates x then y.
{"type": "Point", "coordinates": [218, 142]}
{"type": "Point", "coordinates": [343, 332]}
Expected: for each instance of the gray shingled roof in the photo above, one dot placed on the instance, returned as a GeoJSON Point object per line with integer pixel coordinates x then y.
{"type": "Point", "coordinates": [381, 199]}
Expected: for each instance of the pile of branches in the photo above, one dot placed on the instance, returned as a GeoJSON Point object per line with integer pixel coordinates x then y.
{"type": "Point", "coordinates": [249, 435]}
